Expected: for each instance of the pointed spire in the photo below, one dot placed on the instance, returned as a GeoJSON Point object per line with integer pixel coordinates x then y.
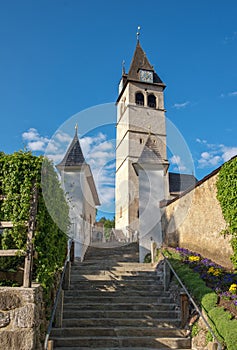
{"type": "Point", "coordinates": [140, 61]}
{"type": "Point", "coordinates": [74, 155]}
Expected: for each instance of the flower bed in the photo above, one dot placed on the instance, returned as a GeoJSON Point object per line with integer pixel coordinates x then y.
{"type": "Point", "coordinates": [223, 282]}
{"type": "Point", "coordinates": [208, 291]}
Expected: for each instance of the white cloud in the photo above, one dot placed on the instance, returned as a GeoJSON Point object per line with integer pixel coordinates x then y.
{"type": "Point", "coordinates": [233, 93]}
{"type": "Point", "coordinates": [228, 152]}
{"type": "Point", "coordinates": [230, 38]}
{"type": "Point", "coordinates": [63, 137]}
{"type": "Point", "coordinates": [35, 142]}
{"type": "Point", "coordinates": [215, 154]}
{"type": "Point", "coordinates": [31, 134]}
{"type": "Point", "coordinates": [181, 105]}
{"type": "Point", "coordinates": [176, 160]}
{"type": "Point", "coordinates": [36, 145]}
{"type": "Point", "coordinates": [229, 94]}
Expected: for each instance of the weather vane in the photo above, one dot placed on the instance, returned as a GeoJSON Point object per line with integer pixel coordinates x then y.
{"type": "Point", "coordinates": [123, 67]}
{"type": "Point", "coordinates": [138, 32]}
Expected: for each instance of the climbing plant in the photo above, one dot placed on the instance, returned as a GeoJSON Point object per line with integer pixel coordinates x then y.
{"type": "Point", "coordinates": [227, 196]}
{"type": "Point", "coordinates": [18, 171]}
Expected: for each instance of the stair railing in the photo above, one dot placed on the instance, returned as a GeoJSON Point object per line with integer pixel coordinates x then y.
{"type": "Point", "coordinates": [64, 284]}
{"type": "Point", "coordinates": [185, 298]}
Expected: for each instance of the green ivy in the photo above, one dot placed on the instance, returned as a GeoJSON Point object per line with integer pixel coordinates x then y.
{"type": "Point", "coordinates": [18, 171]}
{"type": "Point", "coordinates": [227, 196]}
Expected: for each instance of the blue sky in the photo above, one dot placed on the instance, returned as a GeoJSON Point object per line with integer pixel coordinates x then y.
{"type": "Point", "coordinates": [60, 57]}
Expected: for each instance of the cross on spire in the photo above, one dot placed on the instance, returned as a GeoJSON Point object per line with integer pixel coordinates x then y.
{"type": "Point", "coordinates": [138, 32]}
{"type": "Point", "coordinates": [76, 128]}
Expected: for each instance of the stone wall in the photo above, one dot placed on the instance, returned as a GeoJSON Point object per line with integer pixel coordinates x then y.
{"type": "Point", "coordinates": [195, 220]}
{"type": "Point", "coordinates": [22, 318]}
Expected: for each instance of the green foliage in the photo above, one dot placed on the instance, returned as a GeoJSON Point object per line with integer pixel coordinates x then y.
{"type": "Point", "coordinates": [147, 258]}
{"type": "Point", "coordinates": [108, 225]}
{"type": "Point", "coordinates": [195, 330]}
{"type": "Point", "coordinates": [226, 194]}
{"type": "Point", "coordinates": [17, 174]}
{"type": "Point", "coordinates": [9, 283]}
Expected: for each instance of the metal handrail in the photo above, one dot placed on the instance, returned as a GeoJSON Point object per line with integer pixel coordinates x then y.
{"type": "Point", "coordinates": [219, 347]}
{"type": "Point", "coordinates": [50, 326]}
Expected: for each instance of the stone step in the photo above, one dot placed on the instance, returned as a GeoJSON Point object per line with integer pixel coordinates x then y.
{"type": "Point", "coordinates": [108, 276]}
{"type": "Point", "coordinates": [116, 293]}
{"type": "Point", "coordinates": [118, 332]}
{"type": "Point", "coordinates": [122, 314]}
{"type": "Point", "coordinates": [119, 306]}
{"type": "Point", "coordinates": [120, 322]}
{"type": "Point", "coordinates": [118, 289]}
{"type": "Point", "coordinates": [69, 299]}
{"type": "Point", "coordinates": [123, 341]}
{"type": "Point", "coordinates": [140, 283]}
{"type": "Point", "coordinates": [129, 266]}
{"type": "Point", "coordinates": [120, 274]}
{"type": "Point", "coordinates": [112, 348]}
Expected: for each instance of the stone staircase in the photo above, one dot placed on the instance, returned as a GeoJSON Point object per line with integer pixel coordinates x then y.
{"type": "Point", "coordinates": [116, 303]}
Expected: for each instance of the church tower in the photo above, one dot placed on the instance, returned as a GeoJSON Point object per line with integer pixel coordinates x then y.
{"type": "Point", "coordinates": [140, 115]}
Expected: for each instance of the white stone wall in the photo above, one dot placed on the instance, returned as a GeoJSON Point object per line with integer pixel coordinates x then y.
{"type": "Point", "coordinates": [82, 209]}
{"type": "Point", "coordinates": [151, 192]}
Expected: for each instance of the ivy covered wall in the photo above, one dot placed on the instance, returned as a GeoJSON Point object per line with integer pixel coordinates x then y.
{"type": "Point", "coordinates": [227, 196]}
{"type": "Point", "coordinates": [17, 173]}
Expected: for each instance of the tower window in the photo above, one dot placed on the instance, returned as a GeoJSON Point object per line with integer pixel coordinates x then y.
{"type": "Point", "coordinates": [139, 99]}
{"type": "Point", "coordinates": [121, 212]}
{"type": "Point", "coordinates": [151, 101]}
{"type": "Point", "coordinates": [141, 141]}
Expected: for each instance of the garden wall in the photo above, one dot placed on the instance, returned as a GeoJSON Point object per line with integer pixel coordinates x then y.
{"type": "Point", "coordinates": [21, 318]}
{"type": "Point", "coordinates": [195, 220]}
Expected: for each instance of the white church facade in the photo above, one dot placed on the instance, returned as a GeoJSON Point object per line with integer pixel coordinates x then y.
{"type": "Point", "coordinates": [79, 186]}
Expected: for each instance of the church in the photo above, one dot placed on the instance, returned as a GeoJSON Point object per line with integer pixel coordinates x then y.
{"type": "Point", "coordinates": [142, 176]}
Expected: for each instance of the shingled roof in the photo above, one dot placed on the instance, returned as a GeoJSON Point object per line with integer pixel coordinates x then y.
{"type": "Point", "coordinates": [150, 153]}
{"type": "Point", "coordinates": [140, 61]}
{"type": "Point", "coordinates": [150, 157]}
{"type": "Point", "coordinates": [74, 155]}
{"type": "Point", "coordinates": [179, 183]}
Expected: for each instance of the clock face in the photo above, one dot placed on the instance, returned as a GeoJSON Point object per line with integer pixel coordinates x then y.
{"type": "Point", "coordinates": [146, 75]}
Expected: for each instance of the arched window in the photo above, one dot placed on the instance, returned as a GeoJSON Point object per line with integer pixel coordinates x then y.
{"type": "Point", "coordinates": [151, 101]}
{"type": "Point", "coordinates": [139, 99]}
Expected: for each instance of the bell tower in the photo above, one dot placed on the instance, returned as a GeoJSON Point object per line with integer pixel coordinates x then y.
{"type": "Point", "coordinates": [140, 114]}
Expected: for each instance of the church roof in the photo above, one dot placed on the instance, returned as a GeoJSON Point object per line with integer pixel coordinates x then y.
{"type": "Point", "coordinates": [150, 157]}
{"type": "Point", "coordinates": [140, 61]}
{"type": "Point", "coordinates": [74, 155]}
{"type": "Point", "coordinates": [181, 182]}
{"type": "Point", "coordinates": [150, 153]}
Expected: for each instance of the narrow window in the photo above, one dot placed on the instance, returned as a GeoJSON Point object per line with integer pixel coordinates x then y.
{"type": "Point", "coordinates": [121, 212]}
{"type": "Point", "coordinates": [151, 101]}
{"type": "Point", "coordinates": [141, 141]}
{"type": "Point", "coordinates": [139, 99]}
